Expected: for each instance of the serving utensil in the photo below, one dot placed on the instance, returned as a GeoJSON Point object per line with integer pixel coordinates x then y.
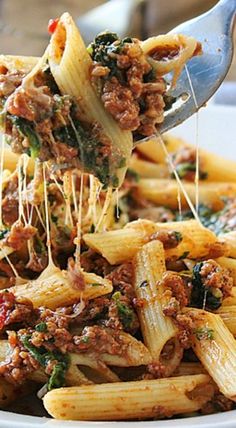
{"type": "Point", "coordinates": [203, 74]}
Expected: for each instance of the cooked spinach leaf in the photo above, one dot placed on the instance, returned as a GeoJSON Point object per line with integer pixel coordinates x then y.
{"type": "Point", "coordinates": [26, 128]}
{"type": "Point", "coordinates": [43, 356]}
{"type": "Point", "coordinates": [201, 295]}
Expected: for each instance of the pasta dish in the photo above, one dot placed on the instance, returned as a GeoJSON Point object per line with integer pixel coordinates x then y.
{"type": "Point", "coordinates": [117, 265]}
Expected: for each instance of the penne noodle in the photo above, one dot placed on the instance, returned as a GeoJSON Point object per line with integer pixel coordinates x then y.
{"type": "Point", "coordinates": [183, 46]}
{"type": "Point", "coordinates": [188, 369]}
{"type": "Point", "coordinates": [215, 347]}
{"type": "Point", "coordinates": [231, 300]}
{"type": "Point", "coordinates": [130, 400]}
{"type": "Point", "coordinates": [165, 192]}
{"type": "Point", "coordinates": [118, 246]}
{"type": "Point", "coordinates": [228, 315]}
{"type": "Point", "coordinates": [56, 290]}
{"type": "Point", "coordinates": [101, 373]}
{"type": "Point", "coordinates": [152, 149]}
{"type": "Point", "coordinates": [157, 329]}
{"type": "Point", "coordinates": [148, 169]}
{"type": "Point", "coordinates": [67, 52]}
{"type": "Point", "coordinates": [230, 239]}
{"type": "Point", "coordinates": [15, 63]}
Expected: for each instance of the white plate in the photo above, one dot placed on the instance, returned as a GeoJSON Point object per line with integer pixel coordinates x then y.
{"type": "Point", "coordinates": [217, 132]}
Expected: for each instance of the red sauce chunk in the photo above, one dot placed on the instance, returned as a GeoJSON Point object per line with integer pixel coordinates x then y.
{"type": "Point", "coordinates": [52, 25]}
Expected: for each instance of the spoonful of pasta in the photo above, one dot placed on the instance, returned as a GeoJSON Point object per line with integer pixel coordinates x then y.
{"type": "Point", "coordinates": [86, 108]}
{"type": "Point", "coordinates": [201, 76]}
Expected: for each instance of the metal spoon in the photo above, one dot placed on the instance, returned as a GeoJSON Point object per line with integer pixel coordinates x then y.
{"type": "Point", "coordinates": [214, 29]}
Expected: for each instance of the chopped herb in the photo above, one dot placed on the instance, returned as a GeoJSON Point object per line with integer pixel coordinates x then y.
{"type": "Point", "coordinates": [26, 128]}
{"type": "Point", "coordinates": [125, 313]}
{"type": "Point", "coordinates": [85, 339]}
{"type": "Point", "coordinates": [143, 284]}
{"type": "Point", "coordinates": [184, 255]}
{"type": "Point", "coordinates": [96, 284]}
{"type": "Point", "coordinates": [41, 327]}
{"type": "Point", "coordinates": [178, 236]}
{"type": "Point", "coordinates": [204, 333]}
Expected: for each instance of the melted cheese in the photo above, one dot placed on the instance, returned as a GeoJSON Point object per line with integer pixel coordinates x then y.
{"type": "Point", "coordinates": [102, 219]}
{"type": "Point", "coordinates": [196, 140]}
{"type": "Point", "coordinates": [51, 266]}
{"type": "Point", "coordinates": [173, 169]}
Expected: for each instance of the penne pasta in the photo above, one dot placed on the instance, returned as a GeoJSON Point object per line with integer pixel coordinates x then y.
{"type": "Point", "coordinates": [231, 300]}
{"type": "Point", "coordinates": [67, 52]}
{"type": "Point", "coordinates": [229, 264]}
{"type": "Point", "coordinates": [230, 239]}
{"type": "Point", "coordinates": [215, 347]}
{"type": "Point", "coordinates": [158, 330]}
{"type": "Point", "coordinates": [228, 315]}
{"type": "Point", "coordinates": [120, 245]}
{"type": "Point", "coordinates": [148, 169]}
{"type": "Point", "coordinates": [15, 63]}
{"type": "Point", "coordinates": [131, 400]}
{"type": "Point", "coordinates": [152, 149]}
{"type": "Point", "coordinates": [54, 289]}
{"type": "Point", "coordinates": [188, 369]}
{"type": "Point", "coordinates": [165, 192]}
{"type": "Point", "coordinates": [96, 307]}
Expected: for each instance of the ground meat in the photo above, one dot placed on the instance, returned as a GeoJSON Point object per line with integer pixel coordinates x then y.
{"type": "Point", "coordinates": [213, 275]}
{"type": "Point", "coordinates": [99, 340]}
{"type": "Point", "coordinates": [62, 152]}
{"type": "Point", "coordinates": [7, 272]}
{"type": "Point", "coordinates": [19, 234]}
{"type": "Point", "coordinates": [19, 364]}
{"type": "Point", "coordinates": [94, 310]}
{"type": "Point", "coordinates": [99, 71]}
{"type": "Point", "coordinates": [219, 403]}
{"type": "Point", "coordinates": [10, 203]}
{"type": "Point", "coordinates": [169, 238]}
{"type": "Point", "coordinates": [135, 102]}
{"type": "Point", "coordinates": [14, 310]}
{"type": "Point", "coordinates": [185, 325]}
{"type": "Point", "coordinates": [93, 262]}
{"type": "Point", "coordinates": [33, 104]}
{"type": "Point", "coordinates": [122, 279]}
{"type": "Point", "coordinates": [172, 307]}
{"type": "Point", "coordinates": [9, 81]}
{"type": "Point", "coordinates": [175, 283]}
{"type": "Point", "coordinates": [119, 101]}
